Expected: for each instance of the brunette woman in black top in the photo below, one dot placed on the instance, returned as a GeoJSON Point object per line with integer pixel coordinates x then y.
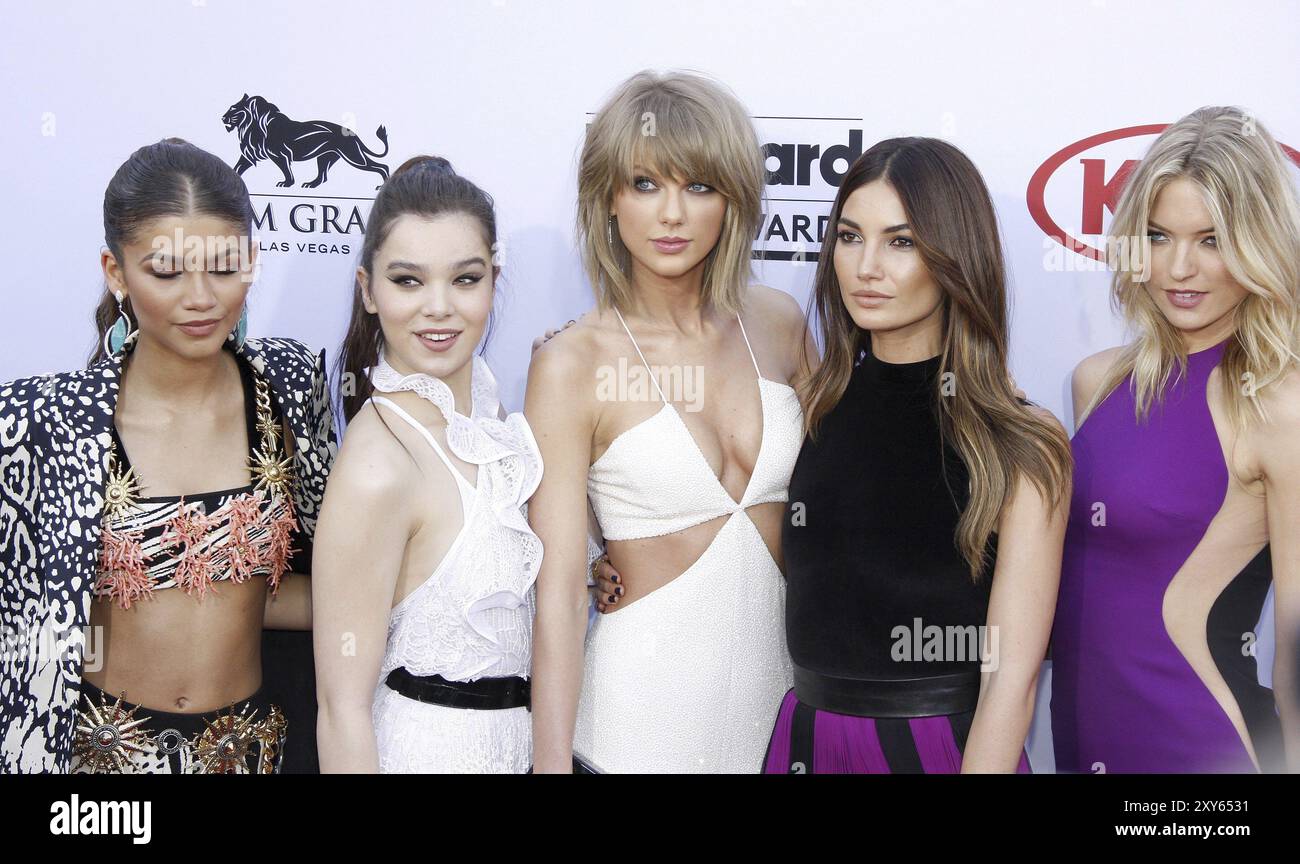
{"type": "Point", "coordinates": [926, 511]}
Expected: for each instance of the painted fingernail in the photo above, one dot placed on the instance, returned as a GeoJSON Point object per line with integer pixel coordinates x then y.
{"type": "Point", "coordinates": [614, 578]}
{"type": "Point", "coordinates": [619, 590]}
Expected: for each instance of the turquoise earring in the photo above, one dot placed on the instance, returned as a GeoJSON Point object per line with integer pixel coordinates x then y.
{"type": "Point", "coordinates": [117, 335]}
{"type": "Point", "coordinates": [240, 333]}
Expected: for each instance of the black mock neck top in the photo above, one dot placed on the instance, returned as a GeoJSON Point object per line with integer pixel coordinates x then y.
{"type": "Point", "coordinates": [875, 547]}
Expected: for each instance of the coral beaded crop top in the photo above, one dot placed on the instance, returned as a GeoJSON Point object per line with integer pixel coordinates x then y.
{"type": "Point", "coordinates": [195, 541]}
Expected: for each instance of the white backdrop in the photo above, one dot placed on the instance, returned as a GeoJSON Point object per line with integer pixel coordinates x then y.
{"type": "Point", "coordinates": [503, 88]}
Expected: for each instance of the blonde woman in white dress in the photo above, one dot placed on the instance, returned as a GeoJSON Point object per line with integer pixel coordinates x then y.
{"type": "Point", "coordinates": [423, 595]}
{"type": "Point", "coordinates": [671, 408]}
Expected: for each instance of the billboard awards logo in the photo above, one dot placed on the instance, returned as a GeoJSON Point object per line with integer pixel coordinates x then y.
{"type": "Point", "coordinates": [1073, 194]}
{"type": "Point", "coordinates": [266, 134]}
{"type": "Point", "coordinates": [806, 160]}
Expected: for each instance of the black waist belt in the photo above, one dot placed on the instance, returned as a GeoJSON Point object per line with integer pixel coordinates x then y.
{"type": "Point", "coordinates": [483, 694]}
{"type": "Point", "coordinates": [897, 697]}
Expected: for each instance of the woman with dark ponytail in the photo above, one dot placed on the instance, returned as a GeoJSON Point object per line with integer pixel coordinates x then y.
{"type": "Point", "coordinates": [157, 507]}
{"type": "Point", "coordinates": [425, 564]}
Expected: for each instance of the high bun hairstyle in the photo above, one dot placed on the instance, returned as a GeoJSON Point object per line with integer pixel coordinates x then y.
{"type": "Point", "coordinates": [424, 186]}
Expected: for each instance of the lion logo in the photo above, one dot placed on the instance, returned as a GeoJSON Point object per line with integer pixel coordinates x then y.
{"type": "Point", "coordinates": [266, 133]}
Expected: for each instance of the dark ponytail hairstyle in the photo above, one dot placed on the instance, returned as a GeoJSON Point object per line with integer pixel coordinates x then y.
{"type": "Point", "coordinates": [425, 186]}
{"type": "Point", "coordinates": [169, 178]}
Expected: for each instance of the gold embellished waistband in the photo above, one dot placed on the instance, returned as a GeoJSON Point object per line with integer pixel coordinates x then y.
{"type": "Point", "coordinates": [118, 737]}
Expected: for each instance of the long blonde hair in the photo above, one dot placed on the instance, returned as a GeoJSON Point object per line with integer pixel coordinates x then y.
{"type": "Point", "coordinates": [956, 234]}
{"type": "Point", "coordinates": [1243, 177]}
{"type": "Point", "coordinates": [678, 124]}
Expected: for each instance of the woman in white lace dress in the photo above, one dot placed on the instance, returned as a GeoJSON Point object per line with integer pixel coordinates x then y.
{"type": "Point", "coordinates": [423, 596]}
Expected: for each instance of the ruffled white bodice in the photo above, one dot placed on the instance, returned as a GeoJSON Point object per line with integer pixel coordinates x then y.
{"type": "Point", "coordinates": [473, 617]}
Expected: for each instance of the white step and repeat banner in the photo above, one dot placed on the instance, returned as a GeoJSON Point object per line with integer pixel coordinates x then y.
{"type": "Point", "coordinates": [1050, 100]}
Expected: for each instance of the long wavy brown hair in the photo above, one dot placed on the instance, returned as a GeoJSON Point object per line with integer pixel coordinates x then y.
{"type": "Point", "coordinates": [955, 232]}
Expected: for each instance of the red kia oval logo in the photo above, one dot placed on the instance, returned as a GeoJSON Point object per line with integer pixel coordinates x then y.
{"type": "Point", "coordinates": [1100, 187]}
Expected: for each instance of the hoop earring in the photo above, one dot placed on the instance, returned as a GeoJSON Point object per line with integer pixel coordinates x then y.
{"type": "Point", "coordinates": [240, 333]}
{"type": "Point", "coordinates": [121, 330]}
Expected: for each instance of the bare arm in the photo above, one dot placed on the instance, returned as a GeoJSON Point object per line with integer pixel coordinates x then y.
{"type": "Point", "coordinates": [1279, 454]}
{"type": "Point", "coordinates": [562, 425]}
{"type": "Point", "coordinates": [780, 314]}
{"type": "Point", "coordinates": [361, 536]}
{"type": "Point", "coordinates": [808, 356]}
{"type": "Point", "coordinates": [1021, 607]}
{"type": "Point", "coordinates": [290, 607]}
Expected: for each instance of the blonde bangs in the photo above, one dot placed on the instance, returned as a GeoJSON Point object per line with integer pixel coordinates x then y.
{"type": "Point", "coordinates": [679, 126]}
{"type": "Point", "coordinates": [684, 146]}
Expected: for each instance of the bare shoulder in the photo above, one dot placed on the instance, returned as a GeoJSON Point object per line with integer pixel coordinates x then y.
{"type": "Point", "coordinates": [774, 308]}
{"type": "Point", "coordinates": [1092, 369]}
{"type": "Point", "coordinates": [777, 313]}
{"type": "Point", "coordinates": [373, 466]}
{"type": "Point", "coordinates": [562, 368]}
{"type": "Point", "coordinates": [1281, 402]}
{"type": "Point", "coordinates": [571, 349]}
{"type": "Point", "coordinates": [1090, 374]}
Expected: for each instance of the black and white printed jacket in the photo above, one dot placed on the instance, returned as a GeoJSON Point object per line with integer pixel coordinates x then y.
{"type": "Point", "coordinates": [54, 447]}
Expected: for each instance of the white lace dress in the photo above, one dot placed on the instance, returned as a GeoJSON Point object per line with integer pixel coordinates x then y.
{"type": "Point", "coordinates": [473, 617]}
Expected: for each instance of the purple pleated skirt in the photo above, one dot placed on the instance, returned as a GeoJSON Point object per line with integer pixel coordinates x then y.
{"type": "Point", "coordinates": [807, 740]}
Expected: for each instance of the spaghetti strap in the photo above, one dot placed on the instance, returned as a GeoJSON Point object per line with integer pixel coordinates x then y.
{"type": "Point", "coordinates": [653, 378]}
{"type": "Point", "coordinates": [747, 345]}
{"type": "Point", "coordinates": [428, 436]}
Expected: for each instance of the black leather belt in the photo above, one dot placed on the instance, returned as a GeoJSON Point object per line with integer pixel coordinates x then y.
{"type": "Point", "coordinates": [483, 694]}
{"type": "Point", "coordinates": [897, 697]}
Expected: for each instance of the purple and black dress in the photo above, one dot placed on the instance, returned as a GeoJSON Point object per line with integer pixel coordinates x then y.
{"type": "Point", "coordinates": [1166, 569]}
{"type": "Point", "coordinates": [883, 620]}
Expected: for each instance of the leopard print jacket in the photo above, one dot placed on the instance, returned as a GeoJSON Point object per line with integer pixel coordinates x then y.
{"type": "Point", "coordinates": [54, 447]}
